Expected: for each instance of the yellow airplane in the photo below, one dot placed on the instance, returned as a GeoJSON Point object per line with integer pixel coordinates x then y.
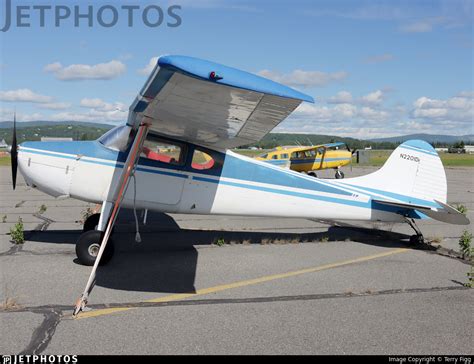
{"type": "Point", "coordinates": [310, 159]}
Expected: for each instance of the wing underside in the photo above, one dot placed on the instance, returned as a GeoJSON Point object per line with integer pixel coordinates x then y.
{"type": "Point", "coordinates": [181, 101]}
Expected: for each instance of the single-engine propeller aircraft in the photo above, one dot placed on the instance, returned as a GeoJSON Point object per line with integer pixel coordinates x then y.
{"type": "Point", "coordinates": [196, 110]}
{"type": "Point", "coordinates": [311, 159]}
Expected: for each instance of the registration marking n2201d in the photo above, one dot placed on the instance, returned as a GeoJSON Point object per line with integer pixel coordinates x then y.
{"type": "Point", "coordinates": [409, 157]}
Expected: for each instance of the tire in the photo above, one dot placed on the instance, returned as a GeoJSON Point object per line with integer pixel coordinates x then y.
{"type": "Point", "coordinates": [339, 175]}
{"type": "Point", "coordinates": [91, 222]}
{"type": "Point", "coordinates": [88, 244]}
{"type": "Point", "coordinates": [312, 174]}
{"type": "Point", "coordinates": [416, 240]}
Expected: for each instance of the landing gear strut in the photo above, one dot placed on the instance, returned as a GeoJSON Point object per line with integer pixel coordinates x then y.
{"type": "Point", "coordinates": [91, 222]}
{"type": "Point", "coordinates": [418, 238]}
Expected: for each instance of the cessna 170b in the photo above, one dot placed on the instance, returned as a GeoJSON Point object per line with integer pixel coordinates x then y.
{"type": "Point", "coordinates": [194, 108]}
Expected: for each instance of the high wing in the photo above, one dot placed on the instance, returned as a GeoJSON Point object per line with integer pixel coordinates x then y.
{"type": "Point", "coordinates": [209, 104]}
{"type": "Point", "coordinates": [325, 146]}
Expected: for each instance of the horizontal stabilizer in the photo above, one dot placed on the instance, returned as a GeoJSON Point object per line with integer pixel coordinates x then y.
{"type": "Point", "coordinates": [443, 213]}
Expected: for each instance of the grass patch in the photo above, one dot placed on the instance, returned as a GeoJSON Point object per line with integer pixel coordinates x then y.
{"type": "Point", "coordinates": [220, 242]}
{"type": "Point", "coordinates": [17, 233]}
{"type": "Point", "coordinates": [4, 160]}
{"type": "Point", "coordinates": [465, 244]}
{"type": "Point", "coordinates": [42, 209]}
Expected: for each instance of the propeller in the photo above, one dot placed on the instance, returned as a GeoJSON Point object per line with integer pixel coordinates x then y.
{"type": "Point", "coordinates": [353, 151]}
{"type": "Point", "coordinates": [14, 154]}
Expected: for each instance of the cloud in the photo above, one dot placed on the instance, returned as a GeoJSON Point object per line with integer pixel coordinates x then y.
{"type": "Point", "coordinates": [342, 97]}
{"type": "Point", "coordinates": [417, 27]}
{"type": "Point", "coordinates": [149, 67]}
{"type": "Point", "coordinates": [53, 67]}
{"type": "Point", "coordinates": [379, 58]}
{"type": "Point", "coordinates": [367, 117]}
{"type": "Point", "coordinates": [79, 72]}
{"type": "Point", "coordinates": [55, 105]}
{"type": "Point", "coordinates": [304, 79]}
{"type": "Point", "coordinates": [7, 115]}
{"type": "Point", "coordinates": [99, 104]}
{"type": "Point", "coordinates": [373, 98]}
{"type": "Point", "coordinates": [455, 110]}
{"type": "Point", "coordinates": [99, 110]}
{"type": "Point", "coordinates": [24, 95]}
{"type": "Point", "coordinates": [91, 116]}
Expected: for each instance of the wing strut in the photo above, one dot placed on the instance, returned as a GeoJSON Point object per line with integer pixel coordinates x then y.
{"type": "Point", "coordinates": [128, 170]}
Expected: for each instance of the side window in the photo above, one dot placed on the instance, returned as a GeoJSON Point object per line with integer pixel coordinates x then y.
{"type": "Point", "coordinates": [275, 156]}
{"type": "Point", "coordinates": [202, 160]}
{"type": "Point", "coordinates": [284, 156]}
{"type": "Point", "coordinates": [164, 151]}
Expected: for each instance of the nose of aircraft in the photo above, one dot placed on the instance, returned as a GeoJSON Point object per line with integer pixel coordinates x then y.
{"type": "Point", "coordinates": [45, 170]}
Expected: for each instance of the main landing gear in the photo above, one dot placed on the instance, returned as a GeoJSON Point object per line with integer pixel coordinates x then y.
{"type": "Point", "coordinates": [88, 245]}
{"type": "Point", "coordinates": [339, 174]}
{"type": "Point", "coordinates": [418, 238]}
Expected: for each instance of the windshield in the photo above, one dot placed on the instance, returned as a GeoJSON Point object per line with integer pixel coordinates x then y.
{"type": "Point", "coordinates": [116, 138]}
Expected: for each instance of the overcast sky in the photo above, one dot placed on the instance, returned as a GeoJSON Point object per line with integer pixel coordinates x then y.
{"type": "Point", "coordinates": [375, 68]}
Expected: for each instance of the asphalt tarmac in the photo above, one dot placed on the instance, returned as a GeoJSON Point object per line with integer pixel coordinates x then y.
{"type": "Point", "coordinates": [277, 286]}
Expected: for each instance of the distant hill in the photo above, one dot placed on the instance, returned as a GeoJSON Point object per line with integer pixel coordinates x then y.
{"type": "Point", "coordinates": [430, 138]}
{"type": "Point", "coordinates": [34, 130]}
{"type": "Point", "coordinates": [27, 124]}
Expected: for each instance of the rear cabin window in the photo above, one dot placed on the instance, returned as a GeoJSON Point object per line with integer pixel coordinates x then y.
{"type": "Point", "coordinates": [275, 156]}
{"type": "Point", "coordinates": [164, 151]}
{"type": "Point", "coordinates": [202, 160]}
{"type": "Point", "coordinates": [284, 156]}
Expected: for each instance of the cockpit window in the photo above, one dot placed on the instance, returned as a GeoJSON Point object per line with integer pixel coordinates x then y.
{"type": "Point", "coordinates": [164, 151]}
{"type": "Point", "coordinates": [117, 138]}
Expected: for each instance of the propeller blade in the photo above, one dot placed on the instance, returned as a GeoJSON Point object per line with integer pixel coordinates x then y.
{"type": "Point", "coordinates": [14, 154]}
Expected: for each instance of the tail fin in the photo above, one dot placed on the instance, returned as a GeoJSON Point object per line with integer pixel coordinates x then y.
{"type": "Point", "coordinates": [413, 177]}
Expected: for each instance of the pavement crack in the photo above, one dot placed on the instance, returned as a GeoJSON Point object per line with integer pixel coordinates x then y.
{"type": "Point", "coordinates": [310, 297]}
{"type": "Point", "coordinates": [57, 311]}
{"type": "Point", "coordinates": [43, 226]}
{"type": "Point", "coordinates": [13, 250]}
{"type": "Point", "coordinates": [43, 334]}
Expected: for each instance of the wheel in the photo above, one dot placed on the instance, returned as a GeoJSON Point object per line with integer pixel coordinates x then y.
{"type": "Point", "coordinates": [91, 222]}
{"type": "Point", "coordinates": [339, 175]}
{"type": "Point", "coordinates": [416, 239]}
{"type": "Point", "coordinates": [312, 174]}
{"type": "Point", "coordinates": [88, 245]}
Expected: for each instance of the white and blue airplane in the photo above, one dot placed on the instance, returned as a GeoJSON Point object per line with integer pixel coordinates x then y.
{"type": "Point", "coordinates": [196, 111]}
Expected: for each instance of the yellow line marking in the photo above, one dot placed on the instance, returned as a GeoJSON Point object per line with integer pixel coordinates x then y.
{"type": "Point", "coordinates": [249, 282]}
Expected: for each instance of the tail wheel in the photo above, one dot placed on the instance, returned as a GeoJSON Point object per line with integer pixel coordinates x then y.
{"type": "Point", "coordinates": [91, 222]}
{"type": "Point", "coordinates": [416, 240]}
{"type": "Point", "coordinates": [88, 245]}
{"type": "Point", "coordinates": [339, 174]}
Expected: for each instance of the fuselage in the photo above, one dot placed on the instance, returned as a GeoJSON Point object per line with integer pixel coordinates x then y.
{"type": "Point", "coordinates": [306, 159]}
{"type": "Point", "coordinates": [235, 185]}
